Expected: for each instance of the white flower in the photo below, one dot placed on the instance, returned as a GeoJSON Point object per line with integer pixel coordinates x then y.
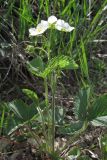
{"type": "Point", "coordinates": [61, 25]}
{"type": "Point", "coordinates": [41, 28]}
{"type": "Point", "coordinates": [32, 32]}
{"type": "Point", "coordinates": [44, 24]}
{"type": "Point", "coordinates": [52, 19]}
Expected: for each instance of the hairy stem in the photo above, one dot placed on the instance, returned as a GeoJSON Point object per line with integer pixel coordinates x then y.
{"type": "Point", "coordinates": [53, 81]}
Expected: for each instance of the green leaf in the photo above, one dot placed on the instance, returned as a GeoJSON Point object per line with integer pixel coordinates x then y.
{"type": "Point", "coordinates": [31, 94]}
{"type": "Point", "coordinates": [99, 108]}
{"type": "Point", "coordinates": [81, 104]}
{"type": "Point", "coordinates": [22, 110]}
{"type": "Point", "coordinates": [100, 121]}
{"type": "Point", "coordinates": [74, 153]}
{"type": "Point", "coordinates": [71, 128]}
{"type": "Point", "coordinates": [36, 66]}
{"type": "Point", "coordinates": [12, 124]}
{"type": "Point", "coordinates": [59, 62]}
{"type": "Point", "coordinates": [30, 49]}
{"type": "Point", "coordinates": [55, 156]}
{"type": "Point", "coordinates": [66, 62]}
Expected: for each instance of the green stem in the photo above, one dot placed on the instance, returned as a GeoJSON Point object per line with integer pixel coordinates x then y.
{"type": "Point", "coordinates": [46, 92]}
{"type": "Point", "coordinates": [53, 80]}
{"type": "Point", "coordinates": [48, 142]}
{"type": "Point", "coordinates": [2, 120]}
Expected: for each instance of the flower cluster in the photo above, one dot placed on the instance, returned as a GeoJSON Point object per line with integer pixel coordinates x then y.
{"type": "Point", "coordinates": [52, 22]}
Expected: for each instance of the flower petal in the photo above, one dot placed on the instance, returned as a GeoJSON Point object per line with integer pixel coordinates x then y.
{"type": "Point", "coordinates": [61, 25]}
{"type": "Point", "coordinates": [32, 32]}
{"type": "Point", "coordinates": [41, 28]}
{"type": "Point", "coordinates": [67, 27]}
{"type": "Point", "coordinates": [44, 23]}
{"type": "Point", "coordinates": [52, 19]}
{"type": "Point", "coordinates": [60, 22]}
{"type": "Point", "coordinates": [70, 29]}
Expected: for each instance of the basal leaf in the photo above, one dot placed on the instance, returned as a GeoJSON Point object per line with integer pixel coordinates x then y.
{"type": "Point", "coordinates": [100, 121]}
{"type": "Point", "coordinates": [81, 104]}
{"type": "Point", "coordinates": [12, 124]}
{"type": "Point", "coordinates": [22, 110]}
{"type": "Point", "coordinates": [71, 128]}
{"type": "Point", "coordinates": [99, 108]}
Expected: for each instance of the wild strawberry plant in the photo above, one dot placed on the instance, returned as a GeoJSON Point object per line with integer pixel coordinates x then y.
{"type": "Point", "coordinates": [43, 113]}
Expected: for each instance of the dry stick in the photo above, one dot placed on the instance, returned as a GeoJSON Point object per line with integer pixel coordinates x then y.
{"type": "Point", "coordinates": [69, 147]}
{"type": "Point", "coordinates": [74, 138]}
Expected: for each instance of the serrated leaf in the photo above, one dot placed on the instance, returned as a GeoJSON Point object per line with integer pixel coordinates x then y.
{"type": "Point", "coordinates": [36, 66]}
{"type": "Point", "coordinates": [66, 62]}
{"type": "Point", "coordinates": [31, 94]}
{"type": "Point", "coordinates": [22, 110]}
{"type": "Point", "coordinates": [99, 108]}
{"type": "Point", "coordinates": [100, 121]}
{"type": "Point", "coordinates": [71, 128]}
{"type": "Point", "coordinates": [59, 62]}
{"type": "Point", "coordinates": [81, 104]}
{"type": "Point", "coordinates": [12, 124]}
